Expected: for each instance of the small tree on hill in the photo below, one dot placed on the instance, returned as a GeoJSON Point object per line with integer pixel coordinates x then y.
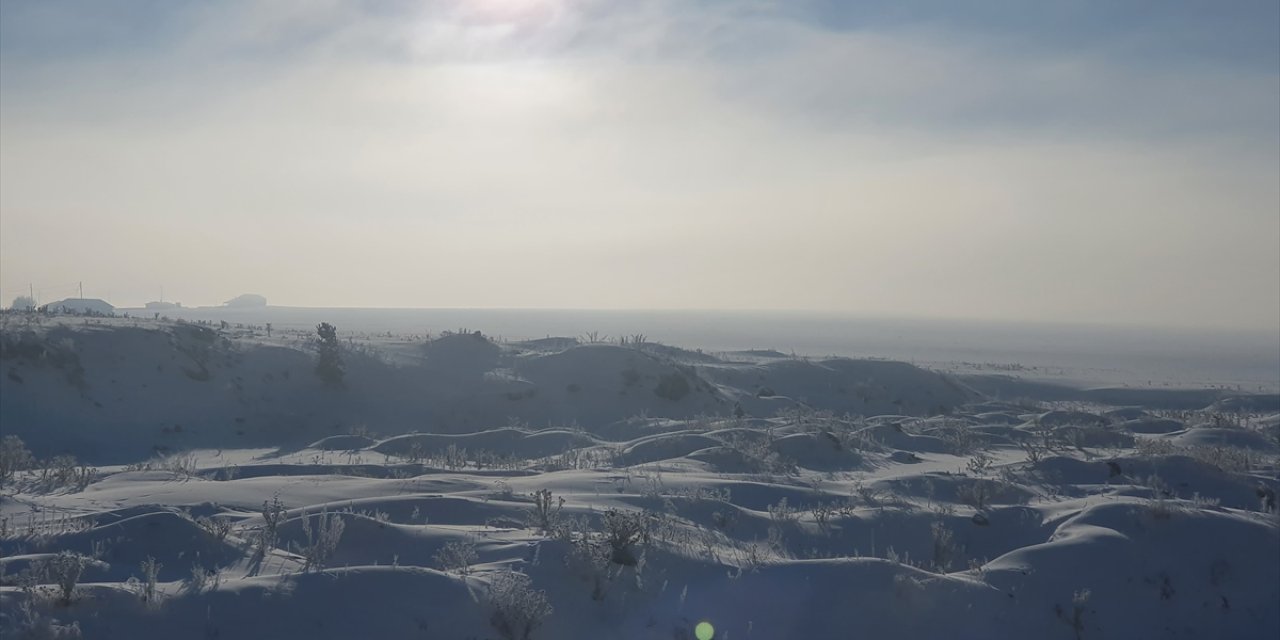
{"type": "Point", "coordinates": [329, 365]}
{"type": "Point", "coordinates": [14, 457]}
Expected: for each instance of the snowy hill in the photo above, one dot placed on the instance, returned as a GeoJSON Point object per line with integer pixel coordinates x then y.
{"type": "Point", "coordinates": [464, 488]}
{"type": "Point", "coordinates": [124, 388]}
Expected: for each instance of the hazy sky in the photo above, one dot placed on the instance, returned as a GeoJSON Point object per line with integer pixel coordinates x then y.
{"type": "Point", "coordinates": [1097, 160]}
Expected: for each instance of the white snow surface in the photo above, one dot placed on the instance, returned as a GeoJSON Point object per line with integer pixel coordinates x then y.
{"type": "Point", "coordinates": [775, 497]}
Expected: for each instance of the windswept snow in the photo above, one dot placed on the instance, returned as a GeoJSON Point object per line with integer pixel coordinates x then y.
{"type": "Point", "coordinates": [636, 489]}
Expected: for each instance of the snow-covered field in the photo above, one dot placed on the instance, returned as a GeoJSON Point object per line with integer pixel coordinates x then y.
{"type": "Point", "coordinates": [194, 481]}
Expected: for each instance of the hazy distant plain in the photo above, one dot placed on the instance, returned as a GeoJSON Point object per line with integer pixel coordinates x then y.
{"type": "Point", "coordinates": [1083, 354]}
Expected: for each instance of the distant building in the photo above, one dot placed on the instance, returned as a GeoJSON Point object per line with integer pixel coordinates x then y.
{"type": "Point", "coordinates": [163, 306]}
{"type": "Point", "coordinates": [88, 306]}
{"type": "Point", "coordinates": [246, 300]}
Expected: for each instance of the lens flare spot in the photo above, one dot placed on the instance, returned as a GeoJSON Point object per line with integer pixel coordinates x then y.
{"type": "Point", "coordinates": [704, 631]}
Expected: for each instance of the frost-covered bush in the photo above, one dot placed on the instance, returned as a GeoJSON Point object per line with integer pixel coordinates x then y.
{"type": "Point", "coordinates": [624, 530]}
{"type": "Point", "coordinates": [456, 556]}
{"type": "Point", "coordinates": [870, 495]}
{"type": "Point", "coordinates": [1226, 458]}
{"type": "Point", "coordinates": [219, 528]}
{"type": "Point", "coordinates": [518, 609]}
{"type": "Point", "coordinates": [979, 464]}
{"type": "Point", "coordinates": [961, 439]}
{"type": "Point", "coordinates": [454, 457]}
{"type": "Point", "coordinates": [944, 546]}
{"type": "Point", "coordinates": [1229, 459]}
{"type": "Point", "coordinates": [823, 513]}
{"type": "Point", "coordinates": [1159, 506]}
{"type": "Point", "coordinates": [182, 464]}
{"type": "Point", "coordinates": [272, 515]}
{"type": "Point", "coordinates": [64, 569]}
{"type": "Point", "coordinates": [978, 494]}
{"type": "Point", "coordinates": [202, 579]}
{"type": "Point", "coordinates": [782, 513]}
{"type": "Point", "coordinates": [322, 539]}
{"type": "Point", "coordinates": [545, 514]}
{"type": "Point", "coordinates": [65, 472]}
{"type": "Point", "coordinates": [781, 518]}
{"type": "Point", "coordinates": [1036, 448]}
{"type": "Point", "coordinates": [758, 454]}
{"type": "Point", "coordinates": [1152, 447]}
{"type": "Point", "coordinates": [146, 587]}
{"type": "Point", "coordinates": [27, 623]}
{"type": "Point", "coordinates": [588, 557]}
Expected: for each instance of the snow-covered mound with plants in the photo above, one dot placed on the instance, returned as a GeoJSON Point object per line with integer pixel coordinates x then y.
{"type": "Point", "coordinates": [178, 481]}
{"type": "Point", "coordinates": [119, 389]}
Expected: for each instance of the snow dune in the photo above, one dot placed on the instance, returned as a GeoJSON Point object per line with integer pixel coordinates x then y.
{"type": "Point", "coordinates": [635, 491]}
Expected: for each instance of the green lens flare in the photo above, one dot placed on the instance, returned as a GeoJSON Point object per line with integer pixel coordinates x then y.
{"type": "Point", "coordinates": [704, 631]}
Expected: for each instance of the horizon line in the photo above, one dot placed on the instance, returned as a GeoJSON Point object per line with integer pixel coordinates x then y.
{"type": "Point", "coordinates": [829, 313]}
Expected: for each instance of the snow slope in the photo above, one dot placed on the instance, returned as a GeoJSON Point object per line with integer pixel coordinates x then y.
{"type": "Point", "coordinates": [122, 388]}
{"type": "Point", "coordinates": [840, 503]}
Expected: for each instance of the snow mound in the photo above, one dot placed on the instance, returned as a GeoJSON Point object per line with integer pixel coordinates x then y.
{"type": "Point", "coordinates": [1124, 414]}
{"type": "Point", "coordinates": [1179, 476]}
{"type": "Point", "coordinates": [514, 442]}
{"type": "Point", "coordinates": [1225, 437]}
{"type": "Point", "coordinates": [999, 417]}
{"type": "Point", "coordinates": [1064, 418]}
{"type": "Point", "coordinates": [367, 541]}
{"type": "Point", "coordinates": [350, 442]}
{"type": "Point", "coordinates": [1151, 425]}
{"type": "Point", "coordinates": [1257, 403]}
{"type": "Point", "coordinates": [895, 438]}
{"type": "Point", "coordinates": [1089, 436]}
{"type": "Point", "coordinates": [957, 489]}
{"type": "Point", "coordinates": [843, 385]}
{"type": "Point", "coordinates": [1151, 570]}
{"type": "Point", "coordinates": [665, 447]}
{"type": "Point", "coordinates": [819, 451]}
{"type": "Point", "coordinates": [462, 355]}
{"type": "Point", "coordinates": [163, 534]}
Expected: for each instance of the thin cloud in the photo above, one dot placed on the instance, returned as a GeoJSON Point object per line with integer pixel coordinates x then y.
{"type": "Point", "coordinates": [660, 155]}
